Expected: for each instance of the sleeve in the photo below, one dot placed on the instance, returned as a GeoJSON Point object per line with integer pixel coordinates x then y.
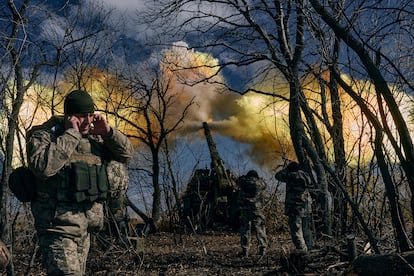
{"type": "Point", "coordinates": [48, 154]}
{"type": "Point", "coordinates": [120, 146]}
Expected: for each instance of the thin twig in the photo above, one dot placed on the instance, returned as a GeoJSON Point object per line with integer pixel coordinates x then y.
{"type": "Point", "coordinates": [197, 236]}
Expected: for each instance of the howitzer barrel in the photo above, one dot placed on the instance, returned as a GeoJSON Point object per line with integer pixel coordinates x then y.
{"type": "Point", "coordinates": [211, 195]}
{"type": "Point", "coordinates": [224, 180]}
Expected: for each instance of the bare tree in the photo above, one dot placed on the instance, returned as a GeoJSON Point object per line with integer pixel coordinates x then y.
{"type": "Point", "coordinates": [156, 117]}
{"type": "Point", "coordinates": [27, 56]}
{"type": "Point", "coordinates": [273, 34]}
{"type": "Point", "coordinates": [266, 34]}
{"type": "Point", "coordinates": [81, 41]}
{"type": "Point", "coordinates": [365, 50]}
{"type": "Point", "coordinates": [16, 80]}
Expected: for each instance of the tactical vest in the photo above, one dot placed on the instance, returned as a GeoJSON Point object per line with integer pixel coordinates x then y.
{"type": "Point", "coordinates": [84, 179]}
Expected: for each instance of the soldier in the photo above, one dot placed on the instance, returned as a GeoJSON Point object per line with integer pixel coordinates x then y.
{"type": "Point", "coordinates": [251, 202]}
{"type": "Point", "coordinates": [69, 155]}
{"type": "Point", "coordinates": [297, 205]}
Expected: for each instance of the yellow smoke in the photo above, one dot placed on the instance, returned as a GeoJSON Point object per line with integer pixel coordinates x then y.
{"type": "Point", "coordinates": [260, 121]}
{"type": "Point", "coordinates": [252, 119]}
{"type": "Point", "coordinates": [187, 69]}
{"type": "Point", "coordinates": [357, 131]}
{"type": "Point", "coordinates": [109, 94]}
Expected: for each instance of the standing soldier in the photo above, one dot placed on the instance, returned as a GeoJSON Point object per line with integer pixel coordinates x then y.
{"type": "Point", "coordinates": [251, 202]}
{"type": "Point", "coordinates": [69, 156]}
{"type": "Point", "coordinates": [297, 205]}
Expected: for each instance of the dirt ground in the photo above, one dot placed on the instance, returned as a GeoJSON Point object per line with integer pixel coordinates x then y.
{"type": "Point", "coordinates": [211, 253]}
{"type": "Point", "coordinates": [214, 253]}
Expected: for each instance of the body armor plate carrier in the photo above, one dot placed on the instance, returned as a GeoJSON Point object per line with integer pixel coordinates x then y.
{"type": "Point", "coordinates": [83, 180]}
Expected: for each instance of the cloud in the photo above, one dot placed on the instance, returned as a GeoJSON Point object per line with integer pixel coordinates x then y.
{"type": "Point", "coordinates": [52, 31]}
{"type": "Point", "coordinates": [124, 5]}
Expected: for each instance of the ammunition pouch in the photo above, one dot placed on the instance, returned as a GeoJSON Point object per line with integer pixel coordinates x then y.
{"type": "Point", "coordinates": [82, 182]}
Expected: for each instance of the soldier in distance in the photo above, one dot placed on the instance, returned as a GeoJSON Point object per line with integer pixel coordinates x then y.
{"type": "Point", "coordinates": [297, 205]}
{"type": "Point", "coordinates": [251, 203]}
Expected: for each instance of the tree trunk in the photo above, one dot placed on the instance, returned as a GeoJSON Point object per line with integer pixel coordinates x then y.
{"type": "Point", "coordinates": [396, 214]}
{"type": "Point", "coordinates": [317, 153]}
{"type": "Point", "coordinates": [395, 208]}
{"type": "Point", "coordinates": [156, 200]}
{"type": "Point", "coordinates": [382, 89]}
{"type": "Point", "coordinates": [20, 89]}
{"type": "Point", "coordinates": [340, 205]}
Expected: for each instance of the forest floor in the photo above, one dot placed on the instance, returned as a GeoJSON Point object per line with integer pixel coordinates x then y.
{"type": "Point", "coordinates": [211, 253]}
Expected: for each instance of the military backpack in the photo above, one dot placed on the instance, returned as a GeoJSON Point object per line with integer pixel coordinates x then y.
{"type": "Point", "coordinates": [22, 183]}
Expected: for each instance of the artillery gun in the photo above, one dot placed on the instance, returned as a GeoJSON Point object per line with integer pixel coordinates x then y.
{"type": "Point", "coordinates": [210, 200]}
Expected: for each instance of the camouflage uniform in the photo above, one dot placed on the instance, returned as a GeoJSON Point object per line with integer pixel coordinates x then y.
{"type": "Point", "coordinates": [116, 203]}
{"type": "Point", "coordinates": [251, 202]}
{"type": "Point", "coordinates": [298, 206]}
{"type": "Point", "coordinates": [65, 216]}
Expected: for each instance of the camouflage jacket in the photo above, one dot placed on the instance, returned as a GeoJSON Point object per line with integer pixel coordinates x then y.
{"type": "Point", "coordinates": [251, 193]}
{"type": "Point", "coordinates": [297, 200]}
{"type": "Point", "coordinates": [50, 148]}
